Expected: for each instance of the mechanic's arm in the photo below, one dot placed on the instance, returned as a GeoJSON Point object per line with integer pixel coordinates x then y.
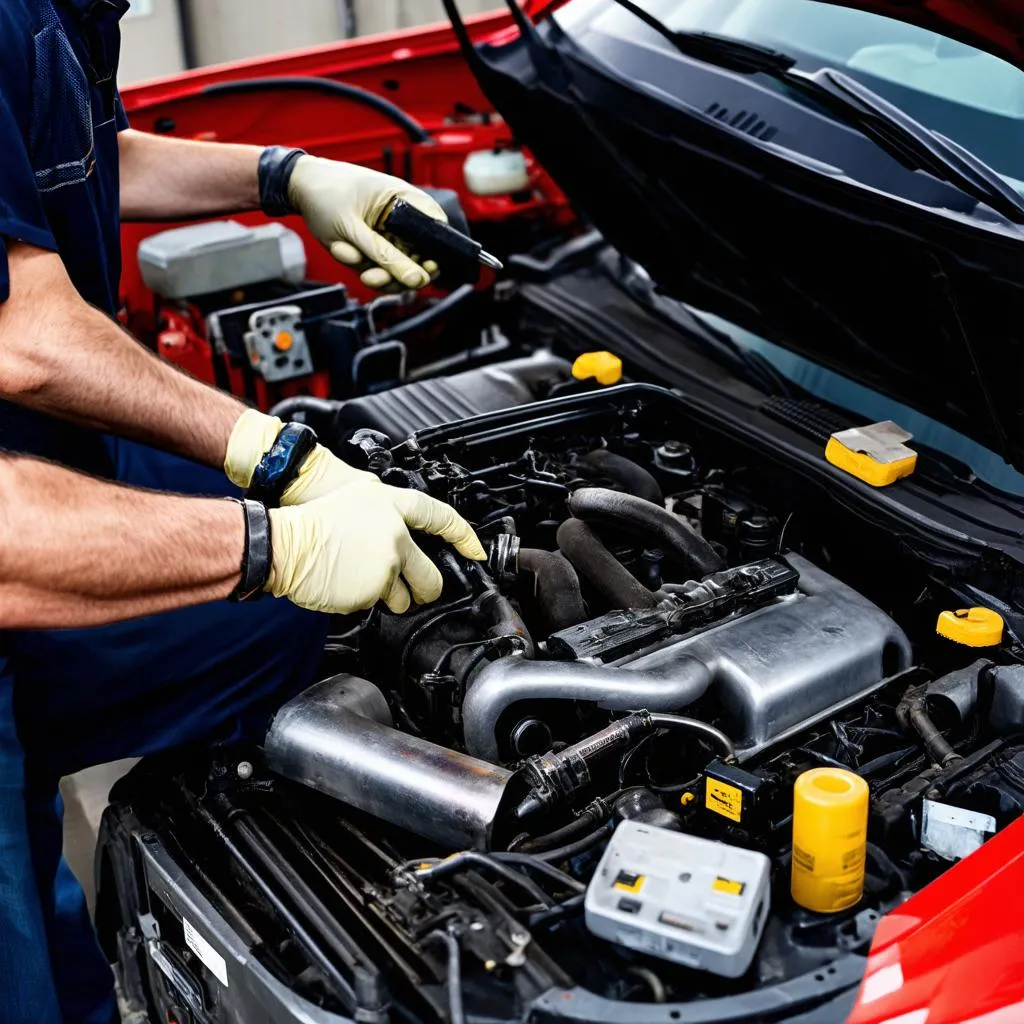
{"type": "Point", "coordinates": [75, 551]}
{"type": "Point", "coordinates": [60, 356]}
{"type": "Point", "coordinates": [174, 179]}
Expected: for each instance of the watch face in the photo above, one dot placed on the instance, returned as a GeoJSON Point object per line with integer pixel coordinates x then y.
{"type": "Point", "coordinates": [281, 465]}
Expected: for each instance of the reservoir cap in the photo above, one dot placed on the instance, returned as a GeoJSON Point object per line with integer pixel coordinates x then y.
{"type": "Point", "coordinates": [876, 454]}
{"type": "Point", "coordinates": [604, 367]}
{"type": "Point", "coordinates": [973, 627]}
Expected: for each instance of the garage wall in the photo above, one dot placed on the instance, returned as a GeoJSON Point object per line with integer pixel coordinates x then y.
{"type": "Point", "coordinates": [225, 30]}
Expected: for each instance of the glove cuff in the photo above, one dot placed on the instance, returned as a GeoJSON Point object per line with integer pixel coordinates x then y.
{"type": "Point", "coordinates": [274, 172]}
{"type": "Point", "coordinates": [251, 438]}
{"type": "Point", "coordinates": [257, 557]}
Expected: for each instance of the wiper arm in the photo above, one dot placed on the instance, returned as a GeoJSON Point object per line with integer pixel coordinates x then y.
{"type": "Point", "coordinates": [909, 140]}
{"type": "Point", "coordinates": [881, 121]}
{"type": "Point", "coordinates": [723, 52]}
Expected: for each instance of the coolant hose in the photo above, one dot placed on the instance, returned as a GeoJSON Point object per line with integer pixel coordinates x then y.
{"type": "Point", "coordinates": [652, 522]}
{"type": "Point", "coordinates": [558, 587]}
{"type": "Point", "coordinates": [498, 609]}
{"type": "Point", "coordinates": [305, 406]}
{"type": "Point", "coordinates": [602, 569]}
{"type": "Point", "coordinates": [633, 477]}
{"type": "Point", "coordinates": [913, 711]}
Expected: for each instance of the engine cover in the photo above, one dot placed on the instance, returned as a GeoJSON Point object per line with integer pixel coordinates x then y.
{"type": "Point", "coordinates": [805, 655]}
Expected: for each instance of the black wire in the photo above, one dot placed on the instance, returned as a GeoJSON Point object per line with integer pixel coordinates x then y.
{"type": "Point", "coordinates": [454, 984]}
{"type": "Point", "coordinates": [578, 847]}
{"type": "Point", "coordinates": [471, 859]}
{"type": "Point", "coordinates": [534, 863]}
{"type": "Point", "coordinates": [329, 87]}
{"type": "Point", "coordinates": [557, 913]}
{"type": "Point", "coordinates": [428, 316]}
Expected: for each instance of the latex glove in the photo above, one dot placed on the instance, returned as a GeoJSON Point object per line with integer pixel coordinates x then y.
{"type": "Point", "coordinates": [322, 472]}
{"type": "Point", "coordinates": [345, 552]}
{"type": "Point", "coordinates": [342, 205]}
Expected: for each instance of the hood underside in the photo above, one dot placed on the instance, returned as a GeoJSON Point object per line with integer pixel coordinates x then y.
{"type": "Point", "coordinates": [923, 305]}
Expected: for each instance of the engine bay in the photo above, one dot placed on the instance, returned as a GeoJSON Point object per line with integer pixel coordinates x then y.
{"type": "Point", "coordinates": [569, 788]}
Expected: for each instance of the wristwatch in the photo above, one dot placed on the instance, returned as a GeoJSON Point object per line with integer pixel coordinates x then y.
{"type": "Point", "coordinates": [281, 464]}
{"type": "Point", "coordinates": [257, 555]}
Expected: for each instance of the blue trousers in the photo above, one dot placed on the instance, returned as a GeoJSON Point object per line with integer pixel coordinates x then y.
{"type": "Point", "coordinates": [76, 698]}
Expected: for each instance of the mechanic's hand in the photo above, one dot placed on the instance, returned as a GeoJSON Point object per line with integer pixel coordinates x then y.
{"type": "Point", "coordinates": [345, 552]}
{"type": "Point", "coordinates": [322, 472]}
{"type": "Point", "coordinates": [343, 204]}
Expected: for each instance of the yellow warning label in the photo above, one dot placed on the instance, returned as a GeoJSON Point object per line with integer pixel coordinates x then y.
{"type": "Point", "coordinates": [728, 886]}
{"type": "Point", "coordinates": [628, 882]}
{"type": "Point", "coordinates": [724, 799]}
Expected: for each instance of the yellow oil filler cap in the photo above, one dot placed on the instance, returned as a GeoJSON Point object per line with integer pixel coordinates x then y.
{"type": "Point", "coordinates": [974, 627]}
{"type": "Point", "coordinates": [877, 454]}
{"type": "Point", "coordinates": [604, 367]}
{"type": "Point", "coordinates": [830, 830]}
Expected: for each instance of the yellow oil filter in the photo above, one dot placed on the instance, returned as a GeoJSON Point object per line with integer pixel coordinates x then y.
{"type": "Point", "coordinates": [830, 830]}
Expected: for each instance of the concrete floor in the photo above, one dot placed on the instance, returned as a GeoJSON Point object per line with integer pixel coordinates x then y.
{"type": "Point", "coordinates": [85, 798]}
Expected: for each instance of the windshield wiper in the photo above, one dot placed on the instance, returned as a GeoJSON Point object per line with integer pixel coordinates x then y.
{"type": "Point", "coordinates": [881, 121]}
{"type": "Point", "coordinates": [722, 51]}
{"type": "Point", "coordinates": [909, 140]}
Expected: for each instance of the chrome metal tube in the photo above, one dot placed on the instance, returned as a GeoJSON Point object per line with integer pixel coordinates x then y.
{"type": "Point", "coordinates": [668, 686]}
{"type": "Point", "coordinates": [336, 738]}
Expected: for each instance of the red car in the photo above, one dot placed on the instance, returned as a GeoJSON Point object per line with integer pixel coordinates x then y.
{"type": "Point", "coordinates": [741, 423]}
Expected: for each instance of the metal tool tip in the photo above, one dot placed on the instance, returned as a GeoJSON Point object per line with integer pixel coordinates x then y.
{"type": "Point", "coordinates": [491, 261]}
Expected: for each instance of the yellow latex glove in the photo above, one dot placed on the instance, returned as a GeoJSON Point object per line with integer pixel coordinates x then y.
{"type": "Point", "coordinates": [322, 472]}
{"type": "Point", "coordinates": [343, 204]}
{"type": "Point", "coordinates": [345, 552]}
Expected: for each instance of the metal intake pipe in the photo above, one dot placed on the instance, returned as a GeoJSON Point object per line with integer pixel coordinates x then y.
{"type": "Point", "coordinates": [666, 685]}
{"type": "Point", "coordinates": [336, 738]}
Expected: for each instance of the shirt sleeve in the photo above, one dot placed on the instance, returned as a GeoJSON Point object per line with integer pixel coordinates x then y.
{"type": "Point", "coordinates": [22, 217]}
{"type": "Point", "coordinates": [120, 116]}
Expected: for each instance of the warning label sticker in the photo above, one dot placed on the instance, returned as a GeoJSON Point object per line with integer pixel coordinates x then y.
{"type": "Point", "coordinates": [724, 799]}
{"type": "Point", "coordinates": [209, 957]}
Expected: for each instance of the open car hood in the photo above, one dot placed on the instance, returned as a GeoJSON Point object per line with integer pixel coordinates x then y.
{"type": "Point", "coordinates": [922, 305]}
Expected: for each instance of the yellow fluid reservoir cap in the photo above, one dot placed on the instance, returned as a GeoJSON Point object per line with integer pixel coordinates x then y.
{"type": "Point", "coordinates": [830, 828]}
{"type": "Point", "coordinates": [876, 454]}
{"type": "Point", "coordinates": [604, 367]}
{"type": "Point", "coordinates": [975, 627]}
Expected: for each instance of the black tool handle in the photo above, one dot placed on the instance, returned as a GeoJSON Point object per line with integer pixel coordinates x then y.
{"type": "Point", "coordinates": [457, 255]}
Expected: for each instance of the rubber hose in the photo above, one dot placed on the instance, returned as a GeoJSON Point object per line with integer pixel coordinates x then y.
{"type": "Point", "coordinates": [306, 405]}
{"type": "Point", "coordinates": [589, 819]}
{"type": "Point", "coordinates": [329, 87]}
{"type": "Point", "coordinates": [578, 847]}
{"type": "Point", "coordinates": [506, 620]}
{"type": "Point", "coordinates": [653, 522]}
{"type": "Point", "coordinates": [601, 568]}
{"type": "Point", "coordinates": [912, 711]}
{"type": "Point", "coordinates": [631, 476]}
{"type": "Point", "coordinates": [558, 587]}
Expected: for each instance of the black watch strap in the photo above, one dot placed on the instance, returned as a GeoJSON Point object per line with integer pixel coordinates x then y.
{"type": "Point", "coordinates": [281, 464]}
{"type": "Point", "coordinates": [258, 553]}
{"type": "Point", "coordinates": [274, 172]}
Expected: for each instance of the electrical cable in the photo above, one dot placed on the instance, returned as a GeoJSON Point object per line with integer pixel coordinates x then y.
{"type": "Point", "coordinates": [456, 1013]}
{"type": "Point", "coordinates": [534, 863]}
{"type": "Point", "coordinates": [578, 847]}
{"type": "Point", "coordinates": [469, 859]}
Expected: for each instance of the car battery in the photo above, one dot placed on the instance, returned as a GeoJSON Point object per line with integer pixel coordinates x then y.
{"type": "Point", "coordinates": [693, 901]}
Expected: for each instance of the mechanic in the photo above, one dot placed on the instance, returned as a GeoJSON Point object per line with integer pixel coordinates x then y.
{"type": "Point", "coordinates": [78, 551]}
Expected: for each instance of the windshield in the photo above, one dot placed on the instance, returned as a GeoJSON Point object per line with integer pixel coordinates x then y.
{"type": "Point", "coordinates": [968, 95]}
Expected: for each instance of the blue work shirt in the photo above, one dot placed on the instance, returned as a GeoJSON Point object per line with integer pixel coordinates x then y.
{"type": "Point", "coordinates": [59, 118]}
